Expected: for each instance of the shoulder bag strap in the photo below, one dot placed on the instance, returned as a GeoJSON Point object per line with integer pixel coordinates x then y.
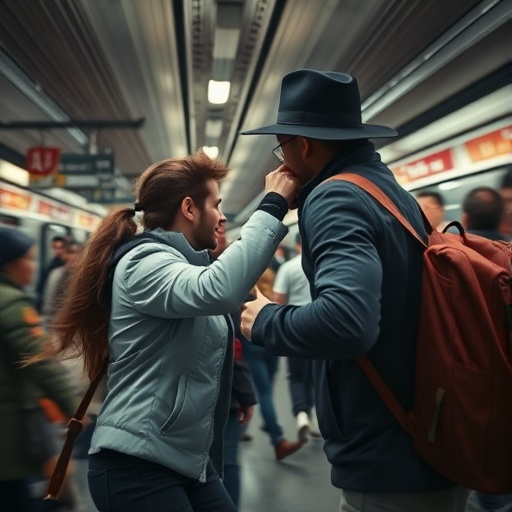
{"type": "Point", "coordinates": [75, 426]}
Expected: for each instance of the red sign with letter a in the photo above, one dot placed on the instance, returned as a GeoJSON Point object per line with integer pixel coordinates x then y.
{"type": "Point", "coordinates": [43, 161]}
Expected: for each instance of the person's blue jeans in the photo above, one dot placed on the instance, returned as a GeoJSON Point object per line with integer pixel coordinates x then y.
{"type": "Point", "coordinates": [121, 483]}
{"type": "Point", "coordinates": [263, 367]}
{"type": "Point", "coordinates": [231, 466]}
{"type": "Point", "coordinates": [300, 377]}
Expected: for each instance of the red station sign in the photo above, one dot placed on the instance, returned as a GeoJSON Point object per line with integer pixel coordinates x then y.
{"type": "Point", "coordinates": [427, 166]}
{"type": "Point", "coordinates": [43, 161]}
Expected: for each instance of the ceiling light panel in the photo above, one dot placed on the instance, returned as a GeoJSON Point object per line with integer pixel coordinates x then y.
{"type": "Point", "coordinates": [218, 92]}
{"type": "Point", "coordinates": [213, 127]}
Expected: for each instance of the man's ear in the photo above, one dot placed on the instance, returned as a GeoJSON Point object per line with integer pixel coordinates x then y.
{"type": "Point", "coordinates": [305, 147]}
{"type": "Point", "coordinates": [188, 208]}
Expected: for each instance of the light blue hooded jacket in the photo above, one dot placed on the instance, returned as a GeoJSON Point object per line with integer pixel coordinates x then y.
{"type": "Point", "coordinates": [168, 384]}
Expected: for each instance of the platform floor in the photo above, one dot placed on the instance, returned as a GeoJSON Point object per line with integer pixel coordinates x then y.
{"type": "Point", "coordinates": [299, 483]}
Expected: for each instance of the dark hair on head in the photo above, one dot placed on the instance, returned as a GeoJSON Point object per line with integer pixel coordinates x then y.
{"type": "Point", "coordinates": [58, 238]}
{"type": "Point", "coordinates": [81, 324]}
{"type": "Point", "coordinates": [71, 246]}
{"type": "Point", "coordinates": [484, 208]}
{"type": "Point", "coordinates": [506, 179]}
{"type": "Point", "coordinates": [438, 198]}
{"type": "Point", "coordinates": [163, 186]}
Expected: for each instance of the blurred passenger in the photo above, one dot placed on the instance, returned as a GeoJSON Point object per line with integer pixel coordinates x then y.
{"type": "Point", "coordinates": [161, 321]}
{"type": "Point", "coordinates": [21, 386]}
{"type": "Point", "coordinates": [482, 212]}
{"type": "Point", "coordinates": [432, 204]}
{"type": "Point", "coordinates": [292, 287]}
{"type": "Point", "coordinates": [506, 194]}
{"type": "Point", "coordinates": [56, 261]}
{"type": "Point", "coordinates": [266, 281]}
{"type": "Point", "coordinates": [365, 277]}
{"type": "Point", "coordinates": [280, 256]}
{"type": "Point", "coordinates": [58, 278]}
{"type": "Point", "coordinates": [54, 296]}
{"type": "Point", "coordinates": [263, 367]}
{"type": "Point", "coordinates": [242, 402]}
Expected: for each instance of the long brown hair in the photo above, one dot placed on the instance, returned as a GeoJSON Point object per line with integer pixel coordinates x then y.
{"type": "Point", "coordinates": [80, 327]}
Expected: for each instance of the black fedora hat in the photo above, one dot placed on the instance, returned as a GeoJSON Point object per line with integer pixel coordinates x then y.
{"type": "Point", "coordinates": [321, 105]}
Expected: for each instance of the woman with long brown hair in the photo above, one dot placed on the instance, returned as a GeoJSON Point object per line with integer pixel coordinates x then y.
{"type": "Point", "coordinates": [161, 319]}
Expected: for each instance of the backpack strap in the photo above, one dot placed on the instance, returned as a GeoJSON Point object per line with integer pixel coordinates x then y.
{"type": "Point", "coordinates": [372, 189]}
{"type": "Point", "coordinates": [75, 424]}
{"type": "Point", "coordinates": [366, 365]}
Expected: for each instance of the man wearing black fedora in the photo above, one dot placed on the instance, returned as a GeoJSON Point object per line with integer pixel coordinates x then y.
{"type": "Point", "coordinates": [364, 272]}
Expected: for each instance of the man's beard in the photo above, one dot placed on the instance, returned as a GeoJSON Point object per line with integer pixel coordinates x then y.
{"type": "Point", "coordinates": [205, 235]}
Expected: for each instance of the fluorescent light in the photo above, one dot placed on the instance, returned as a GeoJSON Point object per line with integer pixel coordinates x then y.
{"type": "Point", "coordinates": [211, 151]}
{"type": "Point", "coordinates": [218, 92]}
{"type": "Point", "coordinates": [13, 173]}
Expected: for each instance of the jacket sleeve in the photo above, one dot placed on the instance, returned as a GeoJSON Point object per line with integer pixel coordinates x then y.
{"type": "Point", "coordinates": [164, 285]}
{"type": "Point", "coordinates": [343, 318]}
{"type": "Point", "coordinates": [23, 335]}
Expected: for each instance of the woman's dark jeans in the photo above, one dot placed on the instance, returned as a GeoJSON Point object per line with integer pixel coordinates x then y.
{"type": "Point", "coordinates": [15, 496]}
{"type": "Point", "coordinates": [121, 483]}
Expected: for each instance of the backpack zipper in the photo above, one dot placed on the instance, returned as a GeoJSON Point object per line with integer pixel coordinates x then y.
{"type": "Point", "coordinates": [435, 419]}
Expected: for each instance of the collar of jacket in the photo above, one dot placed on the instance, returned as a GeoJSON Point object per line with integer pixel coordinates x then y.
{"type": "Point", "coordinates": [179, 242]}
{"type": "Point", "coordinates": [362, 153]}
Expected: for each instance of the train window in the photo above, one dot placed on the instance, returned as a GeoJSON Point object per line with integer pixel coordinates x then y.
{"type": "Point", "coordinates": [49, 232]}
{"type": "Point", "coordinates": [9, 220]}
{"type": "Point", "coordinates": [80, 235]}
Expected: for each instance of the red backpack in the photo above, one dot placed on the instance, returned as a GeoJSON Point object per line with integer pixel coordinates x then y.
{"type": "Point", "coordinates": [461, 421]}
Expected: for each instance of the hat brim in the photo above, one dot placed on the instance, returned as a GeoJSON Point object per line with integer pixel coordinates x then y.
{"type": "Point", "coordinates": [366, 131]}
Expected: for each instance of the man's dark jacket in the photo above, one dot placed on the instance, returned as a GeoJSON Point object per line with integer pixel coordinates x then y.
{"type": "Point", "coordinates": [364, 271]}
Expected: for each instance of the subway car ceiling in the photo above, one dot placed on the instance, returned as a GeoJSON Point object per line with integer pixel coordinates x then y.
{"type": "Point", "coordinates": [434, 70]}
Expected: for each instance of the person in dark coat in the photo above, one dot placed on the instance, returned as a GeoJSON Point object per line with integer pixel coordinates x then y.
{"type": "Point", "coordinates": [21, 387]}
{"type": "Point", "coordinates": [57, 261]}
{"type": "Point", "coordinates": [365, 273]}
{"type": "Point", "coordinates": [482, 213]}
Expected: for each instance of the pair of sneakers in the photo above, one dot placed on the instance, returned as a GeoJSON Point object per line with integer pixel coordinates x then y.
{"type": "Point", "coordinates": [307, 426]}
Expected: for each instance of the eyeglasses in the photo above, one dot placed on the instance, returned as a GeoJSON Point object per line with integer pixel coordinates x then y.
{"type": "Point", "coordinates": [278, 152]}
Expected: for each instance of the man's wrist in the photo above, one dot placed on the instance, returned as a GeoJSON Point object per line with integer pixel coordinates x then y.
{"type": "Point", "coordinates": [275, 204]}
